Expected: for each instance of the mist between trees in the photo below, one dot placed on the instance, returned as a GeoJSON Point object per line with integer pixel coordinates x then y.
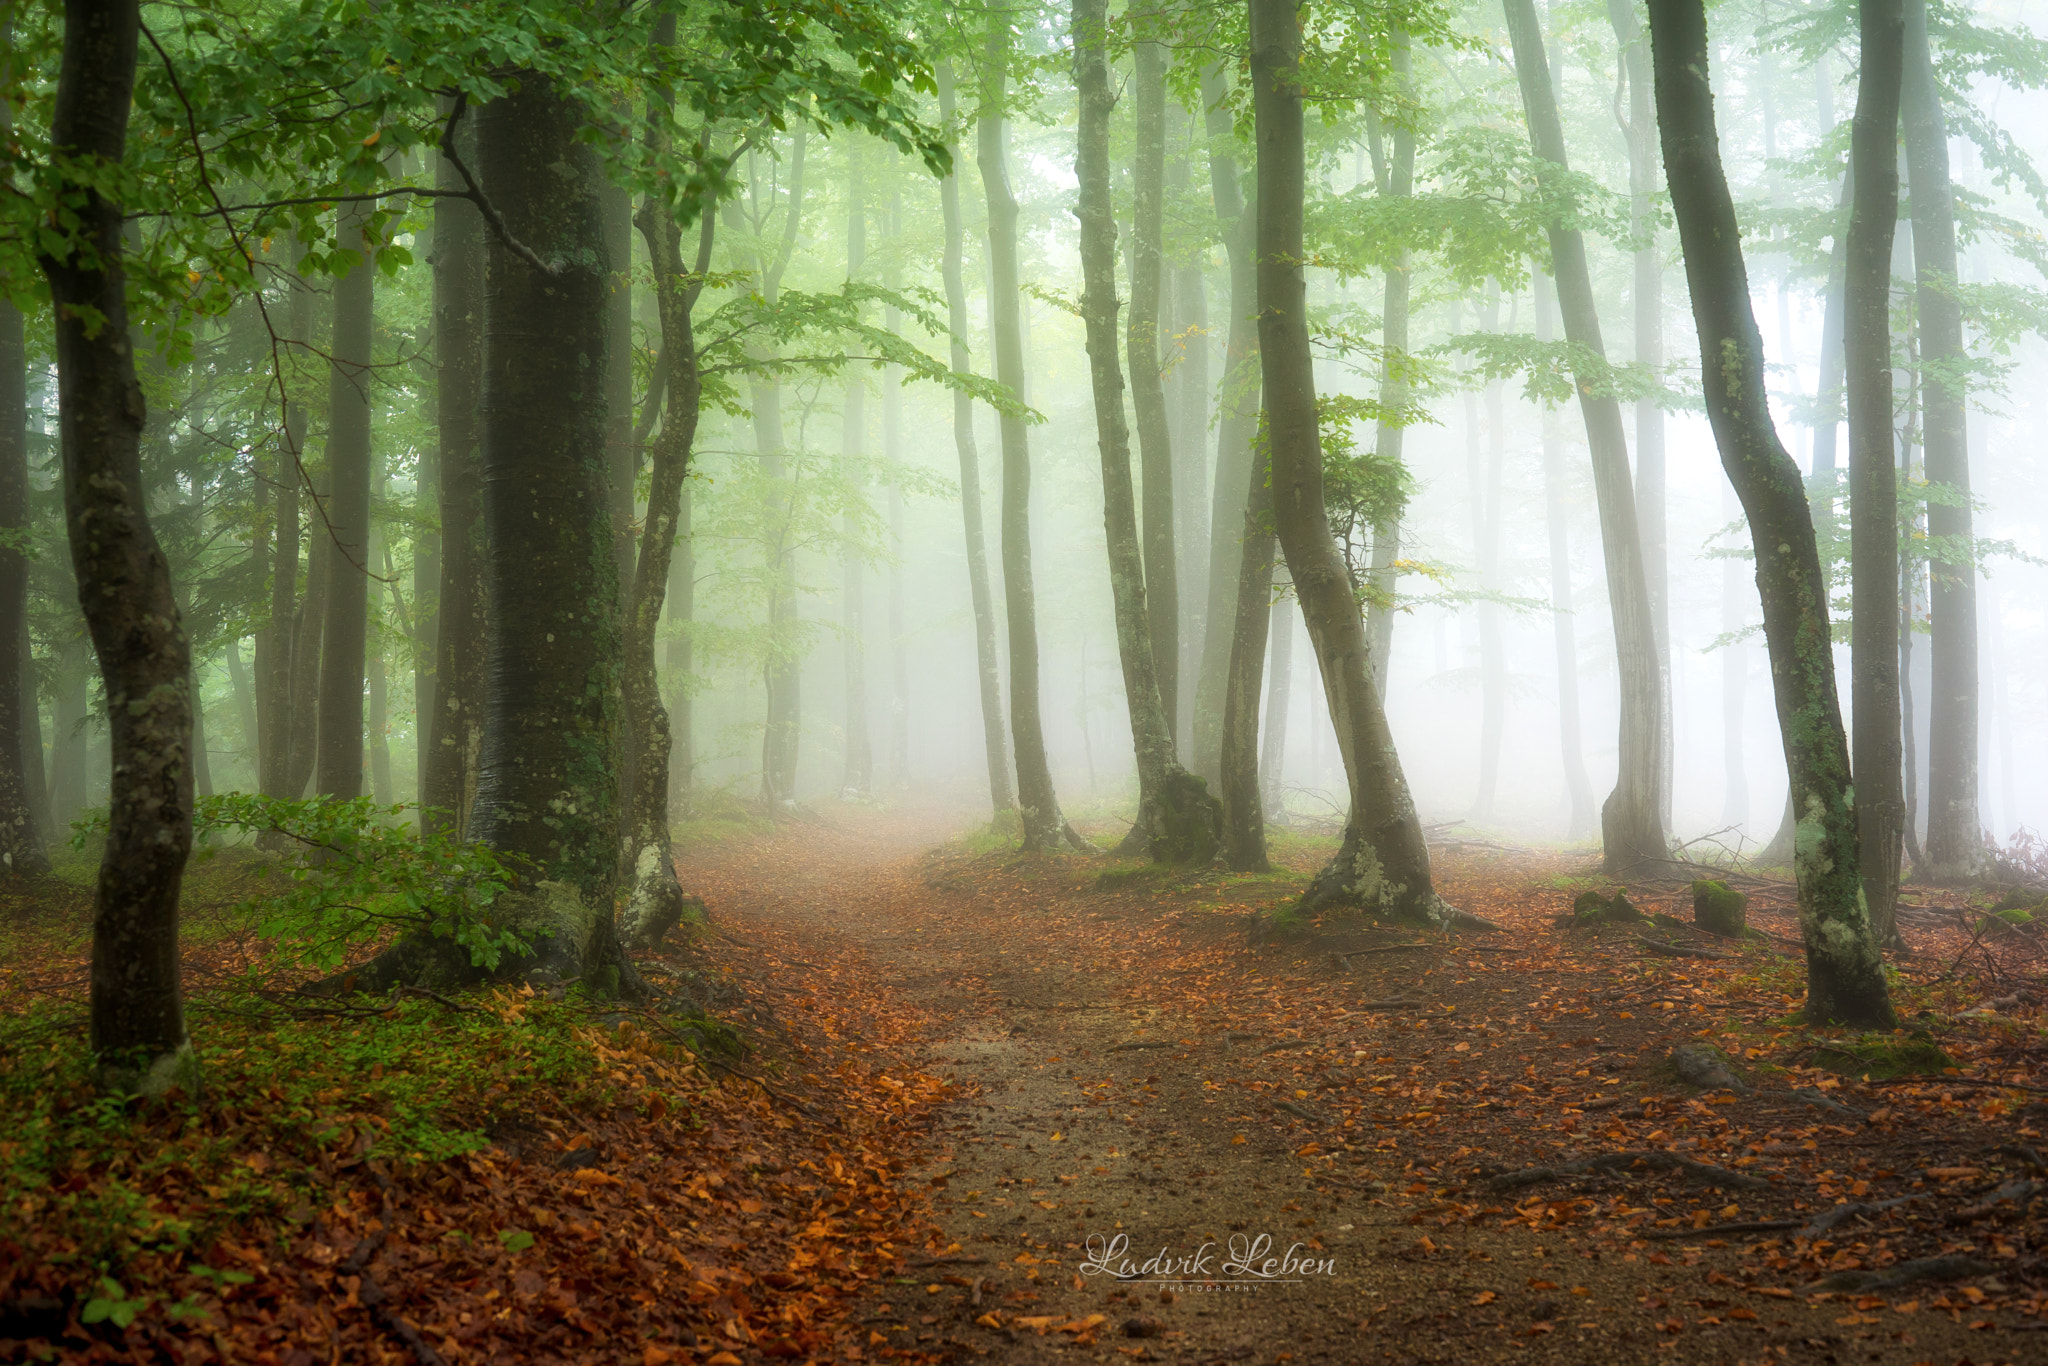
{"type": "Point", "coordinates": [1216, 418]}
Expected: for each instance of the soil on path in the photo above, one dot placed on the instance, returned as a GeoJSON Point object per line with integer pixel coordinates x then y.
{"type": "Point", "coordinates": [1133, 1080]}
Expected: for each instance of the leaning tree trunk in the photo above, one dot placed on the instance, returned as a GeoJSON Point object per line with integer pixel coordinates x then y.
{"type": "Point", "coordinates": [137, 1010]}
{"type": "Point", "coordinates": [1177, 818]}
{"type": "Point", "coordinates": [1237, 416]}
{"type": "Point", "coordinates": [451, 738]}
{"type": "Point", "coordinates": [1873, 477]}
{"type": "Point", "coordinates": [1955, 835]}
{"type": "Point", "coordinates": [1039, 808]}
{"type": "Point", "coordinates": [346, 528]}
{"type": "Point", "coordinates": [1631, 823]}
{"type": "Point", "coordinates": [1148, 395]}
{"type": "Point", "coordinates": [21, 843]}
{"type": "Point", "coordinates": [1845, 973]}
{"type": "Point", "coordinates": [654, 901]}
{"type": "Point", "coordinates": [1383, 864]}
{"type": "Point", "coordinates": [988, 670]}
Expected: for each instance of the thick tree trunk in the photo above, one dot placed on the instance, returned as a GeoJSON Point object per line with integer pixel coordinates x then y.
{"type": "Point", "coordinates": [858, 779]}
{"type": "Point", "coordinates": [988, 670]}
{"type": "Point", "coordinates": [1845, 973]}
{"type": "Point", "coordinates": [347, 526]}
{"type": "Point", "coordinates": [1955, 834]}
{"type": "Point", "coordinates": [1383, 865]}
{"type": "Point", "coordinates": [1631, 823]}
{"type": "Point", "coordinates": [1042, 822]}
{"type": "Point", "coordinates": [546, 790]}
{"type": "Point", "coordinates": [654, 901]}
{"type": "Point", "coordinates": [1873, 477]}
{"type": "Point", "coordinates": [1236, 420]}
{"type": "Point", "coordinates": [451, 736]}
{"type": "Point", "coordinates": [137, 1012]}
{"type": "Point", "coordinates": [1279, 686]}
{"type": "Point", "coordinates": [21, 843]}
{"type": "Point", "coordinates": [1178, 821]}
{"type": "Point", "coordinates": [1640, 132]}
{"type": "Point", "coordinates": [1188, 401]}
{"type": "Point", "coordinates": [1141, 340]}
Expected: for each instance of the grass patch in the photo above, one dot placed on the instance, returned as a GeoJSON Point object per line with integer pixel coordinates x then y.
{"type": "Point", "coordinates": [1137, 875]}
{"type": "Point", "coordinates": [1884, 1057]}
{"type": "Point", "coordinates": [98, 1181]}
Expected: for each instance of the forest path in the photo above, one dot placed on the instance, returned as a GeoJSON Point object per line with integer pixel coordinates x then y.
{"type": "Point", "coordinates": [1127, 1067]}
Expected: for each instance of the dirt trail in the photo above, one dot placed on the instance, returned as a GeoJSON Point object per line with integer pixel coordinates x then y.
{"type": "Point", "coordinates": [1103, 1106]}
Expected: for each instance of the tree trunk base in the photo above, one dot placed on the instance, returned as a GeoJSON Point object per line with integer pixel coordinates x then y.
{"type": "Point", "coordinates": [571, 940]}
{"type": "Point", "coordinates": [1355, 880]}
{"type": "Point", "coordinates": [1179, 822]}
{"type": "Point", "coordinates": [655, 901]}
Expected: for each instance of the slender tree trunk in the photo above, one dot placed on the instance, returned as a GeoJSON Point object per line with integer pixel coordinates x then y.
{"type": "Point", "coordinates": [1383, 865]}
{"type": "Point", "coordinates": [347, 528]}
{"type": "Point", "coordinates": [67, 738]}
{"type": "Point", "coordinates": [680, 662]}
{"type": "Point", "coordinates": [1279, 685]}
{"type": "Point", "coordinates": [1873, 477]}
{"type": "Point", "coordinates": [1236, 420]}
{"type": "Point", "coordinates": [859, 778]}
{"type": "Point", "coordinates": [988, 670]}
{"type": "Point", "coordinates": [1828, 395]}
{"type": "Point", "coordinates": [1632, 828]}
{"type": "Point", "coordinates": [1387, 441]}
{"type": "Point", "coordinates": [202, 761]}
{"type": "Point", "coordinates": [899, 643]}
{"type": "Point", "coordinates": [1640, 132]}
{"type": "Point", "coordinates": [1955, 835]}
{"type": "Point", "coordinates": [278, 671]}
{"type": "Point", "coordinates": [33, 767]}
{"type": "Point", "coordinates": [1177, 818]}
{"type": "Point", "coordinates": [1734, 688]}
{"type": "Point", "coordinates": [1241, 790]}
{"type": "Point", "coordinates": [245, 701]}
{"type": "Point", "coordinates": [1845, 973]}
{"type": "Point", "coordinates": [21, 843]}
{"type": "Point", "coordinates": [1042, 822]}
{"type": "Point", "coordinates": [1161, 582]}
{"type": "Point", "coordinates": [654, 900]}
{"type": "Point", "coordinates": [451, 735]}
{"type": "Point", "coordinates": [137, 1012]}
{"type": "Point", "coordinates": [377, 738]}
{"type": "Point", "coordinates": [782, 670]}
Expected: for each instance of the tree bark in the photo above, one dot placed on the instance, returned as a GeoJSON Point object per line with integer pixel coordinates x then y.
{"type": "Point", "coordinates": [1845, 973]}
{"type": "Point", "coordinates": [345, 531]}
{"type": "Point", "coordinates": [1037, 805]}
{"type": "Point", "coordinates": [1631, 823]}
{"type": "Point", "coordinates": [988, 670]}
{"type": "Point", "coordinates": [1640, 132]}
{"type": "Point", "coordinates": [1242, 792]}
{"type": "Point", "coordinates": [654, 900]}
{"type": "Point", "coordinates": [276, 667]}
{"type": "Point", "coordinates": [1383, 864]}
{"type": "Point", "coordinates": [1161, 583]}
{"type": "Point", "coordinates": [1178, 821]}
{"type": "Point", "coordinates": [679, 659]}
{"type": "Point", "coordinates": [1873, 477]}
{"type": "Point", "coordinates": [1387, 440]}
{"type": "Point", "coordinates": [858, 779]}
{"type": "Point", "coordinates": [1279, 685]}
{"type": "Point", "coordinates": [1236, 420]}
{"type": "Point", "coordinates": [1955, 833]}
{"type": "Point", "coordinates": [782, 670]}
{"type": "Point", "coordinates": [451, 734]}
{"type": "Point", "coordinates": [21, 842]}
{"type": "Point", "coordinates": [137, 1015]}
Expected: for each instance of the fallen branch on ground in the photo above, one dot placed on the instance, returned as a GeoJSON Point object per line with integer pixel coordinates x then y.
{"type": "Point", "coordinates": [1291, 1108]}
{"type": "Point", "coordinates": [1678, 950]}
{"type": "Point", "coordinates": [1905, 1273]}
{"type": "Point", "coordinates": [1716, 1230]}
{"type": "Point", "coordinates": [1146, 1043]}
{"type": "Point", "coordinates": [1608, 1162]}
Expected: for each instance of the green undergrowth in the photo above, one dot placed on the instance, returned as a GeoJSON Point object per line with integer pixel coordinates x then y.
{"type": "Point", "coordinates": [1881, 1057]}
{"type": "Point", "coordinates": [288, 1098]}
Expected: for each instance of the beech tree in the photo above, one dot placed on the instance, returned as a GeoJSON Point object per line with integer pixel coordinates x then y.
{"type": "Point", "coordinates": [1844, 971]}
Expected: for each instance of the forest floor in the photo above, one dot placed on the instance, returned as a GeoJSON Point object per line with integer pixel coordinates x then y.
{"type": "Point", "coordinates": [949, 1089]}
